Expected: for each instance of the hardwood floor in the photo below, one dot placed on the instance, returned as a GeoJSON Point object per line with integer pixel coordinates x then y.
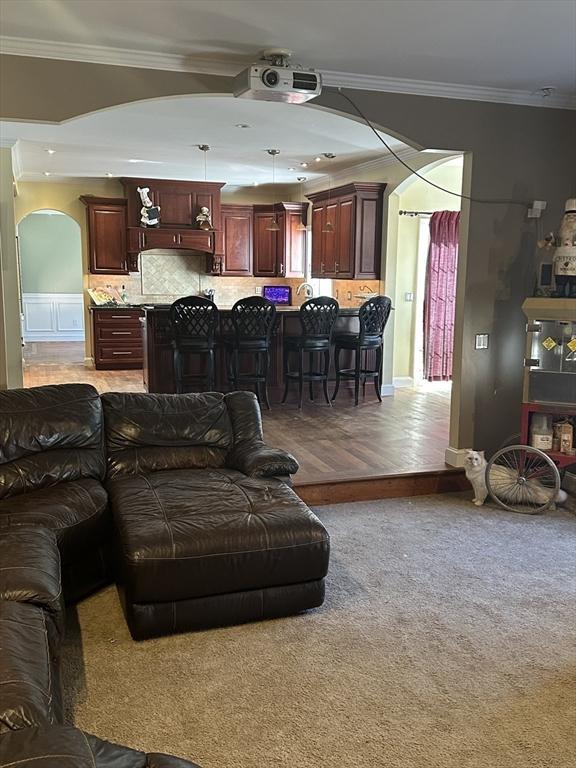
{"type": "Point", "coordinates": [404, 435]}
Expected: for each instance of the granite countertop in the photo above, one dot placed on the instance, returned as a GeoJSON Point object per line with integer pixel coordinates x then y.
{"type": "Point", "coordinates": [351, 311]}
{"type": "Point", "coordinates": [149, 307]}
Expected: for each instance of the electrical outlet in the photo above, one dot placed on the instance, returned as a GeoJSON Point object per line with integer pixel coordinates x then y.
{"type": "Point", "coordinates": [408, 296]}
{"type": "Point", "coordinates": [258, 290]}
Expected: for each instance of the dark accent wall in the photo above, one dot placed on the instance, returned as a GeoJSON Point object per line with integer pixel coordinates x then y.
{"type": "Point", "coordinates": [518, 152]}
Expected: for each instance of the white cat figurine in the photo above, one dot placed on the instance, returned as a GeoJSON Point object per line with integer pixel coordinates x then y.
{"type": "Point", "coordinates": [475, 468]}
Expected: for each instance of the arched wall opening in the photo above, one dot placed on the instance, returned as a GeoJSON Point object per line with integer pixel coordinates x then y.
{"type": "Point", "coordinates": [51, 287]}
{"type": "Point", "coordinates": [391, 172]}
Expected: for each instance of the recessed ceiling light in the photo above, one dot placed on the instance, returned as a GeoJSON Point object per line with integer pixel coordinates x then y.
{"type": "Point", "coordinates": [109, 174]}
{"type": "Point", "coordinates": [290, 169]}
{"type": "Point", "coordinates": [304, 165]}
{"type": "Point", "coordinates": [242, 125]}
{"type": "Point", "coordinates": [317, 159]}
{"type": "Point", "coordinates": [47, 173]}
{"type": "Point", "coordinates": [255, 183]}
{"type": "Point", "coordinates": [51, 151]}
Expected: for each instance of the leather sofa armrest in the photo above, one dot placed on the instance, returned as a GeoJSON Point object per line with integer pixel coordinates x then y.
{"type": "Point", "coordinates": [256, 459]}
{"type": "Point", "coordinates": [30, 568]}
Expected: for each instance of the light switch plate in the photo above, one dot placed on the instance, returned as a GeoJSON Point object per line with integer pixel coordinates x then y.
{"type": "Point", "coordinates": [481, 341]}
{"type": "Point", "coordinates": [408, 296]}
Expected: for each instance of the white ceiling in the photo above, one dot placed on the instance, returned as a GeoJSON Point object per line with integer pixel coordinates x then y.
{"type": "Point", "coordinates": [503, 44]}
{"type": "Point", "coordinates": [163, 136]}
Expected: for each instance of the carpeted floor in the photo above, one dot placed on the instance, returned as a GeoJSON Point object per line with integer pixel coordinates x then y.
{"type": "Point", "coordinates": [447, 641]}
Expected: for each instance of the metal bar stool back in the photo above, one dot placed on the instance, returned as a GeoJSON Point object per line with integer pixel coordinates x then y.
{"type": "Point", "coordinates": [373, 316]}
{"type": "Point", "coordinates": [254, 321]}
{"type": "Point", "coordinates": [317, 319]}
{"type": "Point", "coordinates": [194, 322]}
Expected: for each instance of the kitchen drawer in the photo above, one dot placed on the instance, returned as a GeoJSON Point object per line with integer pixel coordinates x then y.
{"type": "Point", "coordinates": [122, 334]}
{"type": "Point", "coordinates": [119, 354]}
{"type": "Point", "coordinates": [117, 317]}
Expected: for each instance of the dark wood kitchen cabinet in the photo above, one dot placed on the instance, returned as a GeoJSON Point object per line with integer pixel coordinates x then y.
{"type": "Point", "coordinates": [117, 338]}
{"type": "Point", "coordinates": [107, 248]}
{"type": "Point", "coordinates": [237, 231]}
{"type": "Point", "coordinates": [279, 253]}
{"type": "Point", "coordinates": [179, 202]}
{"type": "Point", "coordinates": [353, 247]}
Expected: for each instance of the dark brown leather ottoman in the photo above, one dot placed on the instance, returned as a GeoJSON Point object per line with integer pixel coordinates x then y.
{"type": "Point", "coordinates": [202, 548]}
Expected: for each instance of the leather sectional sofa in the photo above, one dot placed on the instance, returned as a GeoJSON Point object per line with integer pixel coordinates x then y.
{"type": "Point", "coordinates": [146, 477]}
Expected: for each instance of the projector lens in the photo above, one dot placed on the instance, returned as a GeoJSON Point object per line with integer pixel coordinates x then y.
{"type": "Point", "coordinates": [270, 78]}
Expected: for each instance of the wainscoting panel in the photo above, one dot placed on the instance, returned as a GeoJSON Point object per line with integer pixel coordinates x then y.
{"type": "Point", "coordinates": [53, 316]}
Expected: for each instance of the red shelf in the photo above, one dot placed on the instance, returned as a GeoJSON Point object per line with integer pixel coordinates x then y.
{"type": "Point", "coordinates": [556, 409]}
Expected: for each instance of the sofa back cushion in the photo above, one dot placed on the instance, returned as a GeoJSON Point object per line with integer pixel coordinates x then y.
{"type": "Point", "coordinates": [148, 433]}
{"type": "Point", "coordinates": [49, 435]}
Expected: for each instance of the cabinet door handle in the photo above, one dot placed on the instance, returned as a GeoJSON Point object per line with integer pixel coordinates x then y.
{"type": "Point", "coordinates": [336, 265]}
{"type": "Point", "coordinates": [142, 239]}
{"type": "Point", "coordinates": [121, 317]}
{"type": "Point", "coordinates": [121, 333]}
{"type": "Point", "coordinates": [121, 353]}
{"type": "Point", "coordinates": [321, 267]}
{"type": "Point", "coordinates": [176, 238]}
{"type": "Point", "coordinates": [281, 270]}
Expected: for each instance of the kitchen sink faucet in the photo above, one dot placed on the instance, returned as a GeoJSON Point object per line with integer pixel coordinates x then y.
{"type": "Point", "coordinates": [308, 290]}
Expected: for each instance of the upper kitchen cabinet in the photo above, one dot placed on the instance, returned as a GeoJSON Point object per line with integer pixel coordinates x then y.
{"type": "Point", "coordinates": [107, 247]}
{"type": "Point", "coordinates": [237, 228]}
{"type": "Point", "coordinates": [281, 252]}
{"type": "Point", "coordinates": [352, 246]}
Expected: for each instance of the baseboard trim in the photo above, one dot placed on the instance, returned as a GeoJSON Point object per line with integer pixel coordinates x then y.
{"type": "Point", "coordinates": [400, 382]}
{"type": "Point", "coordinates": [89, 362]}
{"type": "Point", "coordinates": [454, 457]}
{"type": "Point", "coordinates": [384, 487]}
{"type": "Point", "coordinates": [31, 337]}
{"type": "Point", "coordinates": [387, 390]}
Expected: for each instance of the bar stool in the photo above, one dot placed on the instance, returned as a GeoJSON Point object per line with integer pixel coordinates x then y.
{"type": "Point", "coordinates": [194, 322]}
{"type": "Point", "coordinates": [254, 321]}
{"type": "Point", "coordinates": [317, 318]}
{"type": "Point", "coordinates": [373, 316]}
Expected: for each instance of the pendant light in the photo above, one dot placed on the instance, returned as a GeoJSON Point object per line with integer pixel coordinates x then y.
{"type": "Point", "coordinates": [301, 227]}
{"type": "Point", "coordinates": [204, 218]}
{"type": "Point", "coordinates": [328, 226]}
{"type": "Point", "coordinates": [205, 149]}
{"type": "Point", "coordinates": [273, 226]}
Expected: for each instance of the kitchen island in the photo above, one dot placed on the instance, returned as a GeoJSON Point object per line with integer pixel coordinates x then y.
{"type": "Point", "coordinates": [157, 340]}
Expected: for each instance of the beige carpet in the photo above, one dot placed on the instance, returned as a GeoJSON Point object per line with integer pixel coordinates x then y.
{"type": "Point", "coordinates": [447, 641]}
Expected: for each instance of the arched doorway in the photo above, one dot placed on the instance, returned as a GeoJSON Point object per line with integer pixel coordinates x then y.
{"type": "Point", "coordinates": [51, 290]}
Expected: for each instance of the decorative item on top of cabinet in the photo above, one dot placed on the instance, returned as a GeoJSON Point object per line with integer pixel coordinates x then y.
{"type": "Point", "coordinates": [279, 253]}
{"type": "Point", "coordinates": [106, 235]}
{"type": "Point", "coordinates": [352, 248]}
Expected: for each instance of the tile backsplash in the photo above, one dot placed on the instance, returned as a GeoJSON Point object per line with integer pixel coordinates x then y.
{"type": "Point", "coordinates": [167, 275]}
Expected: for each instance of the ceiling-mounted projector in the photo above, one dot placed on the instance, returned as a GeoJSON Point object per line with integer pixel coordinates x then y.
{"type": "Point", "coordinates": [273, 79]}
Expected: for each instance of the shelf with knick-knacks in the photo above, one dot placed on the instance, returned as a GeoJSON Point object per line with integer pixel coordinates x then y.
{"type": "Point", "coordinates": [549, 395]}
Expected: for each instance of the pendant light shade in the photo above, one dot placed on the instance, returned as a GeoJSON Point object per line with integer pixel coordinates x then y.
{"type": "Point", "coordinates": [301, 227]}
{"type": "Point", "coordinates": [328, 226]}
{"type": "Point", "coordinates": [273, 226]}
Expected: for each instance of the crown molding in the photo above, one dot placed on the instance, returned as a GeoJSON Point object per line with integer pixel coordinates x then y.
{"type": "Point", "coordinates": [231, 65]}
{"type": "Point", "coordinates": [447, 90]}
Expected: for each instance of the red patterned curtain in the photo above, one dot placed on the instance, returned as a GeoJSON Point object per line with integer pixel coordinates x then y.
{"type": "Point", "coordinates": [440, 295]}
